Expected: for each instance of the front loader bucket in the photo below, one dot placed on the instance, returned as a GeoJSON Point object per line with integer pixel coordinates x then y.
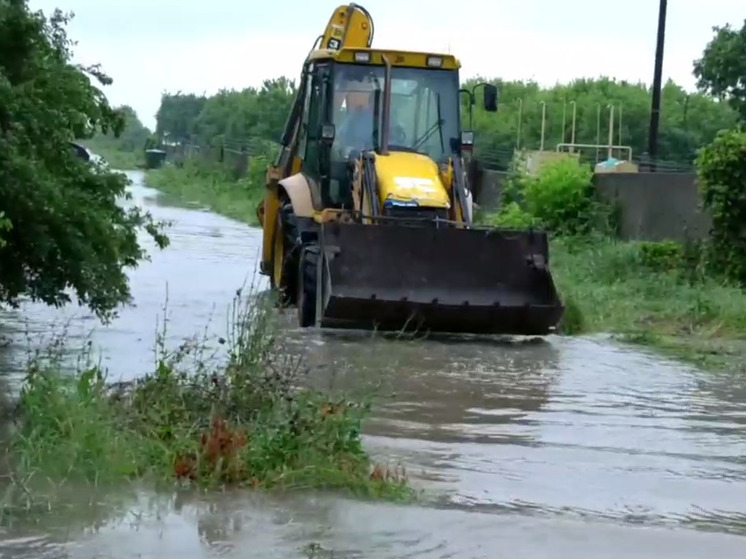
{"type": "Point", "coordinates": [398, 277]}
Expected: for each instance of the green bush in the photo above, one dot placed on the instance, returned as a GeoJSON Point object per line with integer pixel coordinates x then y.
{"type": "Point", "coordinates": [212, 185]}
{"type": "Point", "coordinates": [721, 168]}
{"type": "Point", "coordinates": [561, 197]}
{"type": "Point", "coordinates": [665, 256]}
{"type": "Point", "coordinates": [257, 173]}
{"type": "Point", "coordinates": [512, 216]}
{"type": "Point", "coordinates": [687, 260]}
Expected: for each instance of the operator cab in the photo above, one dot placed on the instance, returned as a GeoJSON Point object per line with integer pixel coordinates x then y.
{"type": "Point", "coordinates": [343, 106]}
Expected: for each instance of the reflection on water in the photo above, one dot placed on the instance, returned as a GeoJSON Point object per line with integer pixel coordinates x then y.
{"type": "Point", "coordinates": [239, 525]}
{"type": "Point", "coordinates": [549, 448]}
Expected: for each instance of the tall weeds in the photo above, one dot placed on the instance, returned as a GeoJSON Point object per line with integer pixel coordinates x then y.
{"type": "Point", "coordinates": [244, 419]}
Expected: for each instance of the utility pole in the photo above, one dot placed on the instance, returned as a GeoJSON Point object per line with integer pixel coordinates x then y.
{"type": "Point", "coordinates": [655, 111]}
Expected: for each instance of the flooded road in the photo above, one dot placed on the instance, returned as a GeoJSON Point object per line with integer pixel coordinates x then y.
{"type": "Point", "coordinates": [552, 448]}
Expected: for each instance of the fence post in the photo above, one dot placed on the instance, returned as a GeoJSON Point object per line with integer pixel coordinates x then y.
{"type": "Point", "coordinates": [242, 164]}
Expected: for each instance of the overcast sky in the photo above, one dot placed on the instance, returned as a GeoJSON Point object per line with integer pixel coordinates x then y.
{"type": "Point", "coordinates": [195, 46]}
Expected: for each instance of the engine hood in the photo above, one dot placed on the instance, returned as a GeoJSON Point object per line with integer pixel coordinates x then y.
{"type": "Point", "coordinates": [410, 179]}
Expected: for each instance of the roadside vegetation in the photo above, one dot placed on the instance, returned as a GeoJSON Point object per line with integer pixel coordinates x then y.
{"type": "Point", "coordinates": [215, 186]}
{"type": "Point", "coordinates": [64, 233]}
{"type": "Point", "coordinates": [240, 417]}
{"type": "Point", "coordinates": [684, 298]}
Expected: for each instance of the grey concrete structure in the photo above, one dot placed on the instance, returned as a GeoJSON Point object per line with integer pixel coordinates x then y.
{"type": "Point", "coordinates": [654, 206]}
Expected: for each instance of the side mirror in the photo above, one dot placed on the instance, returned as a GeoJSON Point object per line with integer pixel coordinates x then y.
{"type": "Point", "coordinates": [467, 140]}
{"type": "Point", "coordinates": [490, 98]}
{"type": "Point", "coordinates": [327, 133]}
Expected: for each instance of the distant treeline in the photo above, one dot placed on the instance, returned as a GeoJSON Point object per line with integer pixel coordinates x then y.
{"type": "Point", "coordinates": [134, 138]}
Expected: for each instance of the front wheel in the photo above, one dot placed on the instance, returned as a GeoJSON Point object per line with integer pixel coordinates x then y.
{"type": "Point", "coordinates": [306, 298]}
{"type": "Point", "coordinates": [285, 254]}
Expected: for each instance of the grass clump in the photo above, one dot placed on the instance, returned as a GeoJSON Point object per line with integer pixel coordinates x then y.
{"type": "Point", "coordinates": [214, 186]}
{"type": "Point", "coordinates": [246, 419]}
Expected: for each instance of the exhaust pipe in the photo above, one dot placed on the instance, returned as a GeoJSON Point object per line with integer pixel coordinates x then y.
{"type": "Point", "coordinates": [386, 117]}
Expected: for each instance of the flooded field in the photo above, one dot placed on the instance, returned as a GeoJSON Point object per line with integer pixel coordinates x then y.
{"type": "Point", "coordinates": [547, 448]}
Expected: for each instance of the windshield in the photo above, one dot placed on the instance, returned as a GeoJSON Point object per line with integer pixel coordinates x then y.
{"type": "Point", "coordinates": [424, 109]}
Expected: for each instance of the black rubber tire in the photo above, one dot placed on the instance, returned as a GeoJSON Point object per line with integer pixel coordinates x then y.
{"type": "Point", "coordinates": [291, 242]}
{"type": "Point", "coordinates": [306, 294]}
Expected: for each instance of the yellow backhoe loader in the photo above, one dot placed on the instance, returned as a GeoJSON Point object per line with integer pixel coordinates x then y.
{"type": "Point", "coordinates": [367, 219]}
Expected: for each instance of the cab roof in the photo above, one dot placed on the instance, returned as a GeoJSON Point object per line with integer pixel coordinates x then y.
{"type": "Point", "coordinates": [399, 58]}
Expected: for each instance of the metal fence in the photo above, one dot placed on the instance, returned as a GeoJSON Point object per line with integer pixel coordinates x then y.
{"type": "Point", "coordinates": [236, 154]}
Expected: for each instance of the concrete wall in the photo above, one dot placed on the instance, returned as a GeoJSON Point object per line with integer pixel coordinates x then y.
{"type": "Point", "coordinates": [654, 206]}
{"type": "Point", "coordinates": [489, 195]}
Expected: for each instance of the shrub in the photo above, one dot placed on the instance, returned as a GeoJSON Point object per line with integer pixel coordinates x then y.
{"type": "Point", "coordinates": [561, 199]}
{"type": "Point", "coordinates": [512, 216]}
{"type": "Point", "coordinates": [721, 168]}
{"type": "Point", "coordinates": [664, 256]}
{"type": "Point", "coordinates": [71, 235]}
{"type": "Point", "coordinates": [257, 174]}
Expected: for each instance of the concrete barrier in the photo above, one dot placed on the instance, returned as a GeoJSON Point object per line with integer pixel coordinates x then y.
{"type": "Point", "coordinates": [654, 206]}
{"type": "Point", "coordinates": [491, 188]}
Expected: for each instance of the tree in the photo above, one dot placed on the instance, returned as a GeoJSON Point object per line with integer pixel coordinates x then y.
{"type": "Point", "coordinates": [176, 115]}
{"type": "Point", "coordinates": [62, 227]}
{"type": "Point", "coordinates": [228, 116]}
{"type": "Point", "coordinates": [721, 71]}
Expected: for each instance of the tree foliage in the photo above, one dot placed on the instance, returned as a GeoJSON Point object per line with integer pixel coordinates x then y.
{"type": "Point", "coordinates": [229, 116]}
{"type": "Point", "coordinates": [722, 170]}
{"type": "Point", "coordinates": [721, 71]}
{"type": "Point", "coordinates": [688, 121]}
{"type": "Point", "coordinates": [560, 198]}
{"type": "Point", "coordinates": [62, 228]}
{"type": "Point", "coordinates": [177, 113]}
{"type": "Point", "coordinates": [133, 137]}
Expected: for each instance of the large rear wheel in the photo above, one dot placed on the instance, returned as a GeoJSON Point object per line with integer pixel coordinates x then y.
{"type": "Point", "coordinates": [306, 294]}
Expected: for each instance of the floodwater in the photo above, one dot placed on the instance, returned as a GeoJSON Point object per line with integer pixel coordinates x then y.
{"type": "Point", "coordinates": [552, 448]}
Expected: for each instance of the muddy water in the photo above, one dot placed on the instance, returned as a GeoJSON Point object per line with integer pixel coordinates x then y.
{"type": "Point", "coordinates": [554, 448]}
